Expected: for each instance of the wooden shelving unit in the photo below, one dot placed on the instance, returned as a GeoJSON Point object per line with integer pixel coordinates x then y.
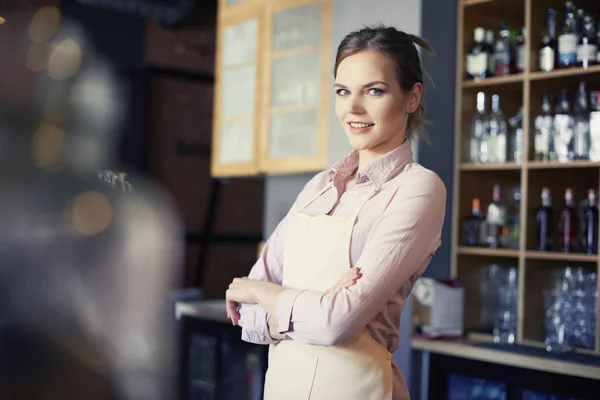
{"type": "Point", "coordinates": [535, 268]}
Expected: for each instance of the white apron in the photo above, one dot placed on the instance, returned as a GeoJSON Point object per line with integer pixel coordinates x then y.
{"type": "Point", "coordinates": [316, 254]}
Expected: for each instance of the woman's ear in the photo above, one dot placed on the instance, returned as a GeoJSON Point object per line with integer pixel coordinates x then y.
{"type": "Point", "coordinates": [414, 98]}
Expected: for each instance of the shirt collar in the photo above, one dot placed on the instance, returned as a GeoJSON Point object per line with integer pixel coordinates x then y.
{"type": "Point", "coordinates": [377, 172]}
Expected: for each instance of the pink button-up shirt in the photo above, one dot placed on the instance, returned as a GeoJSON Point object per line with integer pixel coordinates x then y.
{"type": "Point", "coordinates": [395, 236]}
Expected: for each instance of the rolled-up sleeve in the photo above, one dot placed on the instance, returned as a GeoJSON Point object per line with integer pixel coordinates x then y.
{"type": "Point", "coordinates": [399, 246]}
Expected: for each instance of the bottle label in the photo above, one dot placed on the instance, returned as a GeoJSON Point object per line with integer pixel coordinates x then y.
{"type": "Point", "coordinates": [567, 48]}
{"type": "Point", "coordinates": [547, 59]}
{"type": "Point", "coordinates": [477, 64]}
{"type": "Point", "coordinates": [587, 52]}
{"type": "Point", "coordinates": [502, 58]}
{"type": "Point", "coordinates": [497, 148]}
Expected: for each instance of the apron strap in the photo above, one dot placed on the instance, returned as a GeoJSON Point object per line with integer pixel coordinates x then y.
{"type": "Point", "coordinates": [312, 199]}
{"type": "Point", "coordinates": [371, 194]}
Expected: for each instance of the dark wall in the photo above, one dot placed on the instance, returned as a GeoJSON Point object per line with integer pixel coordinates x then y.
{"type": "Point", "coordinates": [439, 29]}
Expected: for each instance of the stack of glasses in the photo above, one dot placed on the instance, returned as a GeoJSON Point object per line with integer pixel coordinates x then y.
{"type": "Point", "coordinates": [570, 311]}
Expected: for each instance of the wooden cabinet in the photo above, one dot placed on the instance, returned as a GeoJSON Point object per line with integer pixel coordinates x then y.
{"type": "Point", "coordinates": [272, 87]}
{"type": "Point", "coordinates": [537, 270]}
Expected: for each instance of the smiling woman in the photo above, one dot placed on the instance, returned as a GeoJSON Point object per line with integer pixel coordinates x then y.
{"type": "Point", "coordinates": [328, 289]}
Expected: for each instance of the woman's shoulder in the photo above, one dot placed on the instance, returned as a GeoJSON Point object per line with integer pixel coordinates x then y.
{"type": "Point", "coordinates": [418, 179]}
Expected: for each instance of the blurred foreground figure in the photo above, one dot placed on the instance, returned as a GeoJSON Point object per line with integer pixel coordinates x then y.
{"type": "Point", "coordinates": [86, 269]}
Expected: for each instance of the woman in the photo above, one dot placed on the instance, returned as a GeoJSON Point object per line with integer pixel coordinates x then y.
{"type": "Point", "coordinates": [332, 330]}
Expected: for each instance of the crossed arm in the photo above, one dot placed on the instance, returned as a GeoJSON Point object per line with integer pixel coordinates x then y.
{"type": "Point", "coordinates": [399, 247]}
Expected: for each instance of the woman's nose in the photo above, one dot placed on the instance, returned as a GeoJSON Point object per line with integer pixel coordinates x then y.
{"type": "Point", "coordinates": [355, 106]}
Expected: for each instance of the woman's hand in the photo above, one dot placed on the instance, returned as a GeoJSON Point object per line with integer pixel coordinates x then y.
{"type": "Point", "coordinates": [347, 280]}
{"type": "Point", "coordinates": [250, 291]}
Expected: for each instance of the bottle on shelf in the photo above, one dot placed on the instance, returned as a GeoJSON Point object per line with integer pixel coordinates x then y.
{"type": "Point", "coordinates": [513, 221]}
{"type": "Point", "coordinates": [567, 225]}
{"type": "Point", "coordinates": [496, 140]}
{"type": "Point", "coordinates": [568, 39]}
{"type": "Point", "coordinates": [496, 219]}
{"type": "Point", "coordinates": [489, 48]}
{"type": "Point", "coordinates": [504, 54]}
{"type": "Point", "coordinates": [544, 223]}
{"type": "Point", "coordinates": [474, 226]}
{"type": "Point", "coordinates": [563, 128]}
{"type": "Point", "coordinates": [479, 130]}
{"type": "Point", "coordinates": [478, 56]}
{"type": "Point", "coordinates": [516, 138]}
{"type": "Point", "coordinates": [520, 50]}
{"type": "Point", "coordinates": [544, 131]}
{"type": "Point", "coordinates": [594, 125]}
{"type": "Point", "coordinates": [590, 225]}
{"type": "Point", "coordinates": [548, 54]}
{"type": "Point", "coordinates": [581, 125]}
{"type": "Point", "coordinates": [587, 49]}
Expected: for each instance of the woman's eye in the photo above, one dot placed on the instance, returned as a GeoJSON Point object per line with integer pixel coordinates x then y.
{"type": "Point", "coordinates": [342, 92]}
{"type": "Point", "coordinates": [375, 92]}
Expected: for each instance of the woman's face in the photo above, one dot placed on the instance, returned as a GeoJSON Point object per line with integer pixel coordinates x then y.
{"type": "Point", "coordinates": [370, 104]}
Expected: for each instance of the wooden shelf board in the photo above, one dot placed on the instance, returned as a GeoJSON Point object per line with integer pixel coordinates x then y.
{"type": "Point", "coordinates": [467, 3]}
{"type": "Point", "coordinates": [464, 349]}
{"type": "Point", "coordinates": [561, 73]}
{"type": "Point", "coordinates": [486, 252]}
{"type": "Point", "coordinates": [493, 81]}
{"type": "Point", "coordinates": [557, 256]}
{"type": "Point", "coordinates": [489, 167]}
{"type": "Point", "coordinates": [557, 165]}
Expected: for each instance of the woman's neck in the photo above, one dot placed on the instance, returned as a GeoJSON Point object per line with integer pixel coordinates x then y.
{"type": "Point", "coordinates": [368, 156]}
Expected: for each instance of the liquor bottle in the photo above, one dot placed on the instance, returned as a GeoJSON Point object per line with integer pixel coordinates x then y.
{"type": "Point", "coordinates": [595, 125]}
{"type": "Point", "coordinates": [513, 221]}
{"type": "Point", "coordinates": [504, 52]}
{"type": "Point", "coordinates": [516, 138]}
{"type": "Point", "coordinates": [489, 47]}
{"type": "Point", "coordinates": [520, 51]}
{"type": "Point", "coordinates": [496, 219]}
{"type": "Point", "coordinates": [567, 226]}
{"type": "Point", "coordinates": [587, 49]}
{"type": "Point", "coordinates": [590, 225]}
{"type": "Point", "coordinates": [479, 130]}
{"type": "Point", "coordinates": [563, 128]}
{"type": "Point", "coordinates": [545, 222]}
{"type": "Point", "coordinates": [567, 41]}
{"type": "Point", "coordinates": [497, 140]}
{"type": "Point", "coordinates": [544, 131]}
{"type": "Point", "coordinates": [474, 226]}
{"type": "Point", "coordinates": [581, 125]}
{"type": "Point", "coordinates": [477, 56]}
{"type": "Point", "coordinates": [549, 49]}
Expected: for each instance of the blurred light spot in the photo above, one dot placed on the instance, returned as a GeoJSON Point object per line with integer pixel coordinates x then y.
{"type": "Point", "coordinates": [2, 20]}
{"type": "Point", "coordinates": [65, 60]}
{"type": "Point", "coordinates": [92, 213]}
{"type": "Point", "coordinates": [43, 24]}
{"type": "Point", "coordinates": [38, 55]}
{"type": "Point", "coordinates": [48, 146]}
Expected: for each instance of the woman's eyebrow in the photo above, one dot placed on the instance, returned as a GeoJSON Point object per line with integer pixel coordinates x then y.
{"type": "Point", "coordinates": [364, 86]}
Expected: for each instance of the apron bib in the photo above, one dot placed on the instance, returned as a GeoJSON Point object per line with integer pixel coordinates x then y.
{"type": "Point", "coordinates": [316, 254]}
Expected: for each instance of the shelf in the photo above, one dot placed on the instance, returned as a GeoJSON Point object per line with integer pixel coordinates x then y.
{"type": "Point", "coordinates": [466, 349]}
{"type": "Point", "coordinates": [467, 3]}
{"type": "Point", "coordinates": [556, 256]}
{"type": "Point", "coordinates": [554, 165]}
{"type": "Point", "coordinates": [486, 252]}
{"type": "Point", "coordinates": [489, 167]}
{"type": "Point", "coordinates": [493, 81]}
{"type": "Point", "coordinates": [560, 73]}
